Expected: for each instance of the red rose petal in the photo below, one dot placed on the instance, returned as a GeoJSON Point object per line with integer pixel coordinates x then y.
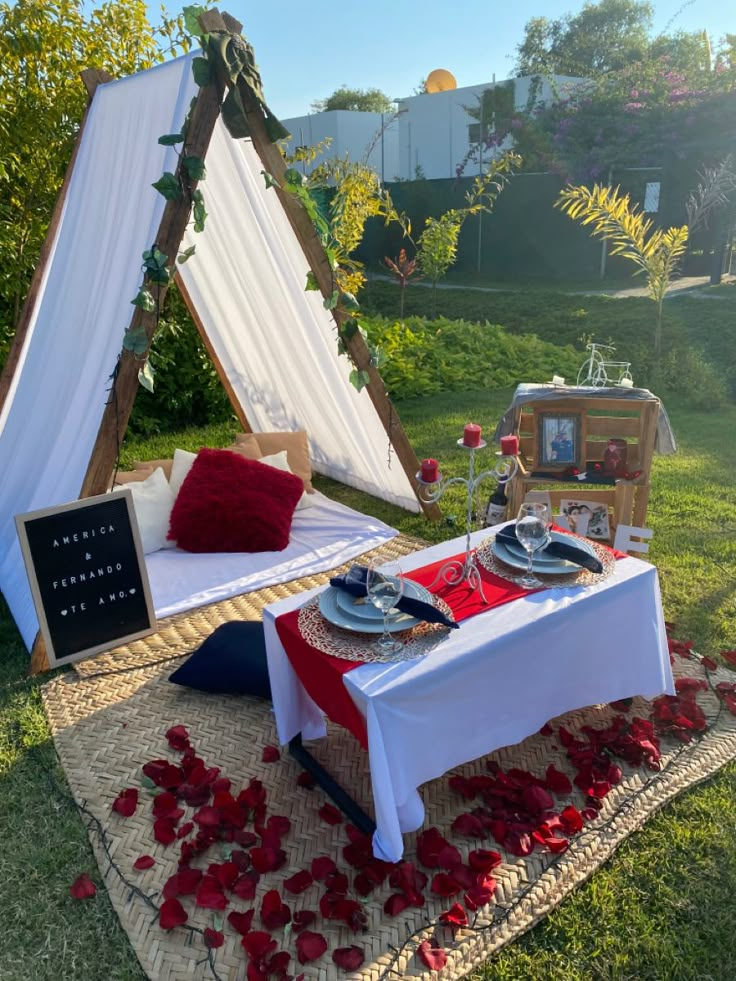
{"type": "Point", "coordinates": [310, 946]}
{"type": "Point", "coordinates": [274, 913]}
{"type": "Point", "coordinates": [305, 779]}
{"type": "Point", "coordinates": [258, 943]}
{"type": "Point", "coordinates": [321, 868]}
{"type": "Point", "coordinates": [396, 904]}
{"type": "Point", "coordinates": [240, 922]}
{"type": "Point", "coordinates": [164, 804]}
{"type": "Point", "coordinates": [537, 799]}
{"type": "Point", "coordinates": [468, 825]}
{"type": "Point", "coordinates": [330, 814]}
{"type": "Point", "coordinates": [245, 887]}
{"type": "Point", "coordinates": [82, 887]}
{"type": "Point", "coordinates": [210, 894]}
{"type": "Point", "coordinates": [164, 774]}
{"type": "Point", "coordinates": [348, 958]}
{"type": "Point", "coordinates": [213, 938]}
{"type": "Point", "coordinates": [455, 916]}
{"type": "Point", "coordinates": [445, 885]}
{"type": "Point", "coordinates": [431, 956]}
{"type": "Point", "coordinates": [557, 781]}
{"type": "Point", "coordinates": [207, 817]}
{"type": "Point", "coordinates": [483, 860]}
{"type": "Point", "coordinates": [172, 914]}
{"type": "Point", "coordinates": [267, 859]}
{"type": "Point", "coordinates": [429, 844]}
{"type": "Point", "coordinates": [163, 831]}
{"type": "Point", "coordinates": [144, 862]}
{"type": "Point", "coordinates": [126, 802]}
{"type": "Point", "coordinates": [270, 754]}
{"type": "Point", "coordinates": [178, 737]}
{"type": "Point", "coordinates": [279, 963]}
{"type": "Point", "coordinates": [301, 920]}
{"type": "Point", "coordinates": [298, 882]}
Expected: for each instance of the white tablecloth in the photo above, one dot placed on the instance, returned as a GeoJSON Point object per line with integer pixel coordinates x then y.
{"type": "Point", "coordinates": [493, 682]}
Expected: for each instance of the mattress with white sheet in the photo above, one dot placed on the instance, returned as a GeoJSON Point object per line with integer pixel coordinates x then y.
{"type": "Point", "coordinates": [322, 536]}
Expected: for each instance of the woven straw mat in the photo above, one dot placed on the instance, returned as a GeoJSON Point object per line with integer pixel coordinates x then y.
{"type": "Point", "coordinates": [106, 726]}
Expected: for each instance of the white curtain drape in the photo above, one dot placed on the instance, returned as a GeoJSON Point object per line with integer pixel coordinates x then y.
{"type": "Point", "coordinates": [276, 342]}
{"type": "Point", "coordinates": [247, 279]}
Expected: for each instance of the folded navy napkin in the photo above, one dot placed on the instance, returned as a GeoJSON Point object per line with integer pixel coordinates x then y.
{"type": "Point", "coordinates": [556, 550]}
{"type": "Point", "coordinates": [354, 582]}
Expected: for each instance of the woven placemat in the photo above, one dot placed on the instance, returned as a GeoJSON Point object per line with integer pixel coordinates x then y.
{"type": "Point", "coordinates": [181, 633]}
{"type": "Point", "coordinates": [106, 727]}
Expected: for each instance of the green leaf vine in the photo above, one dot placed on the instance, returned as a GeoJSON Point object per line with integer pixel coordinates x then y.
{"type": "Point", "coordinates": [173, 187]}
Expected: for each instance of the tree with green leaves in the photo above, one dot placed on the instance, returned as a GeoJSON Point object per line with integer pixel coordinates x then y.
{"type": "Point", "coordinates": [438, 242]}
{"type": "Point", "coordinates": [603, 37]}
{"type": "Point", "coordinates": [355, 100]}
{"type": "Point", "coordinates": [43, 48]}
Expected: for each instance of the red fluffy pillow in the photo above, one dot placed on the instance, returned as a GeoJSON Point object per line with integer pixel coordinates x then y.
{"type": "Point", "coordinates": [230, 504]}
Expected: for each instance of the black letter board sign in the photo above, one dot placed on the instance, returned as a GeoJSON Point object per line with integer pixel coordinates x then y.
{"type": "Point", "coordinates": [88, 576]}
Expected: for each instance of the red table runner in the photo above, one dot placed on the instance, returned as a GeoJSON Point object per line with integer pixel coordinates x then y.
{"type": "Point", "coordinates": [322, 674]}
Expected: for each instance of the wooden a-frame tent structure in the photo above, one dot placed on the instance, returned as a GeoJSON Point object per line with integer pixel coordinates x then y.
{"type": "Point", "coordinates": [168, 237]}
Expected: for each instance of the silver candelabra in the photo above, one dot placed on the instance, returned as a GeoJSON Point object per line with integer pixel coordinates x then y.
{"type": "Point", "coordinates": [454, 571]}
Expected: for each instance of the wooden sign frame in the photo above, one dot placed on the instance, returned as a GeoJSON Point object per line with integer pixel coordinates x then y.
{"type": "Point", "coordinates": [145, 610]}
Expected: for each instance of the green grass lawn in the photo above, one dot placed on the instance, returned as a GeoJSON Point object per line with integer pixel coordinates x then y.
{"type": "Point", "coordinates": [660, 909]}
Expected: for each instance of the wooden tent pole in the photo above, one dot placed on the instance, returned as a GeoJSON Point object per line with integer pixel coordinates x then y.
{"type": "Point", "coordinates": [306, 234]}
{"type": "Point", "coordinates": [91, 77]}
{"type": "Point", "coordinates": [168, 240]}
{"type": "Point", "coordinates": [230, 391]}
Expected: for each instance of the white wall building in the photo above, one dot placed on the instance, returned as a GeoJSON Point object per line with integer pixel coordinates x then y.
{"type": "Point", "coordinates": [436, 130]}
{"type": "Point", "coordinates": [370, 137]}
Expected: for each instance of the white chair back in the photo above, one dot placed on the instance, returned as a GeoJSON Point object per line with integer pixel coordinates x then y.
{"type": "Point", "coordinates": [625, 539]}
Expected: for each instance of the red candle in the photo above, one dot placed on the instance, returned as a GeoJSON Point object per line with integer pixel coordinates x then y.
{"type": "Point", "coordinates": [510, 445]}
{"type": "Point", "coordinates": [430, 471]}
{"type": "Point", "coordinates": [471, 434]}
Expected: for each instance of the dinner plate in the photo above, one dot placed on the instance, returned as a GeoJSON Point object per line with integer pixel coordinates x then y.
{"type": "Point", "coordinates": [330, 610]}
{"type": "Point", "coordinates": [517, 549]}
{"type": "Point", "coordinates": [514, 555]}
{"type": "Point", "coordinates": [363, 609]}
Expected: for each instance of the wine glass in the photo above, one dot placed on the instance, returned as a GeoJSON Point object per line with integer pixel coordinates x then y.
{"type": "Point", "coordinates": [384, 588]}
{"type": "Point", "coordinates": [532, 531]}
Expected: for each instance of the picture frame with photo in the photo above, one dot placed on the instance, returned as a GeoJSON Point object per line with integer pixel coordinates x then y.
{"type": "Point", "coordinates": [560, 440]}
{"type": "Point", "coordinates": [588, 518]}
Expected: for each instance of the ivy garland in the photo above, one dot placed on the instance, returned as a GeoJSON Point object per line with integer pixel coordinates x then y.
{"type": "Point", "coordinates": [356, 198]}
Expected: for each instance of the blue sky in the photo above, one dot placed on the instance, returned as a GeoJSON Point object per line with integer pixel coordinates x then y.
{"type": "Point", "coordinates": [307, 50]}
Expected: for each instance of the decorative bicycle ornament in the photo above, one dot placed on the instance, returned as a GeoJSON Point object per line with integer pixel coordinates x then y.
{"type": "Point", "coordinates": [598, 371]}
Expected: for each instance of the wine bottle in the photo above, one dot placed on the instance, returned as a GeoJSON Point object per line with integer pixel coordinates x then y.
{"type": "Point", "coordinates": [496, 507]}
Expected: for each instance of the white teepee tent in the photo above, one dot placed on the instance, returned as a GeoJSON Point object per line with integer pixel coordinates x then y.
{"type": "Point", "coordinates": [276, 343]}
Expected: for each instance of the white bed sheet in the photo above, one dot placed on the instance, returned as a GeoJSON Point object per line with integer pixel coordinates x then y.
{"type": "Point", "coordinates": [322, 537]}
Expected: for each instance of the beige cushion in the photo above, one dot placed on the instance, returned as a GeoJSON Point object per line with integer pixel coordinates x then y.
{"type": "Point", "coordinates": [123, 477]}
{"type": "Point", "coordinates": [152, 465]}
{"type": "Point", "coordinates": [279, 462]}
{"type": "Point", "coordinates": [248, 448]}
{"type": "Point", "coordinates": [295, 444]}
{"type": "Point", "coordinates": [152, 502]}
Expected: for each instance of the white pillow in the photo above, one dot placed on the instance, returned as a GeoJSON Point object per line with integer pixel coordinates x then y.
{"type": "Point", "coordinates": [181, 466]}
{"type": "Point", "coordinates": [152, 502]}
{"type": "Point", "coordinates": [279, 462]}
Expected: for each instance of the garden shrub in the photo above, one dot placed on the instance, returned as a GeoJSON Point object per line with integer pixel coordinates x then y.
{"type": "Point", "coordinates": [425, 357]}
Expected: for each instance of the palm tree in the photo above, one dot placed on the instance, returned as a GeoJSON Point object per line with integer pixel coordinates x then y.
{"type": "Point", "coordinates": [655, 251]}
